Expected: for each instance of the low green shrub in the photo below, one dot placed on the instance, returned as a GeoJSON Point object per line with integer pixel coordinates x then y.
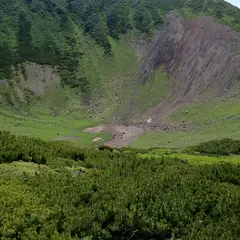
{"type": "Point", "coordinates": [114, 195]}
{"type": "Point", "coordinates": [219, 147]}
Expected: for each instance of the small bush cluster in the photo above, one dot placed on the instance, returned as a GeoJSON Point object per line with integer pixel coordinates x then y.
{"type": "Point", "coordinates": [15, 148]}
{"type": "Point", "coordinates": [219, 147]}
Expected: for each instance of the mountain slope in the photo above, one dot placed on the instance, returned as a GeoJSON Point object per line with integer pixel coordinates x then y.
{"type": "Point", "coordinates": [45, 31]}
{"type": "Point", "coordinates": [117, 61]}
{"type": "Point", "coordinates": [203, 57]}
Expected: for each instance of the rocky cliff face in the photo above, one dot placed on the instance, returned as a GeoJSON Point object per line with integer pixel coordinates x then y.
{"type": "Point", "coordinates": [204, 58]}
{"type": "Point", "coordinates": [37, 78]}
{"type": "Point", "coordinates": [28, 79]}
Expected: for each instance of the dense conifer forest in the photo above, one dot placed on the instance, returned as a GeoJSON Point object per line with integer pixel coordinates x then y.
{"type": "Point", "coordinates": [45, 31]}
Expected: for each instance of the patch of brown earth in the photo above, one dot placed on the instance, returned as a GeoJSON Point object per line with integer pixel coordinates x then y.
{"type": "Point", "coordinates": [122, 136]}
{"type": "Point", "coordinates": [97, 129]}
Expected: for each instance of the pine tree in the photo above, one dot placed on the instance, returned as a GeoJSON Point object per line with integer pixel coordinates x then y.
{"type": "Point", "coordinates": [24, 37]}
{"type": "Point", "coordinates": [143, 20]}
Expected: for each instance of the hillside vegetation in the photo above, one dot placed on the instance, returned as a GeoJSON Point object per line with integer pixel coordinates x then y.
{"type": "Point", "coordinates": [122, 62]}
{"type": "Point", "coordinates": [78, 78]}
{"type": "Point", "coordinates": [63, 192]}
{"type": "Point", "coordinates": [61, 32]}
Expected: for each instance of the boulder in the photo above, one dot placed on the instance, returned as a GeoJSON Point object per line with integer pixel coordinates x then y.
{"type": "Point", "coordinates": [2, 83]}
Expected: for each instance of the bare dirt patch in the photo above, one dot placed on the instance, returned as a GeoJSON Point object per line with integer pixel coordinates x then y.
{"type": "Point", "coordinates": [97, 129]}
{"type": "Point", "coordinates": [122, 136]}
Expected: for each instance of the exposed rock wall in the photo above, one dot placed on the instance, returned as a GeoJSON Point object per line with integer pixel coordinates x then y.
{"type": "Point", "coordinates": [28, 79]}
{"type": "Point", "coordinates": [203, 56]}
{"type": "Point", "coordinates": [38, 78]}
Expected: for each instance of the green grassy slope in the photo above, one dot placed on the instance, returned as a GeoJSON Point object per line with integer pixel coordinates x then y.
{"type": "Point", "coordinates": [188, 157]}
{"type": "Point", "coordinates": [99, 64]}
{"type": "Point", "coordinates": [65, 128]}
{"type": "Point", "coordinates": [65, 33]}
{"type": "Point", "coordinates": [204, 121]}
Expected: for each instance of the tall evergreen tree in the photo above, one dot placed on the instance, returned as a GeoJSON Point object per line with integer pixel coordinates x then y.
{"type": "Point", "coordinates": [118, 20]}
{"type": "Point", "coordinates": [24, 37]}
{"type": "Point", "coordinates": [143, 20]}
{"type": "Point", "coordinates": [96, 26]}
{"type": "Point", "coordinates": [6, 60]}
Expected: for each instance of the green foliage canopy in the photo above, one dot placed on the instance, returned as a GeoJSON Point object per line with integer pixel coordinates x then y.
{"type": "Point", "coordinates": [43, 31]}
{"type": "Point", "coordinates": [111, 194]}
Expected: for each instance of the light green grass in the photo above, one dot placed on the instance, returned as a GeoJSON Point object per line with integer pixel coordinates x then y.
{"type": "Point", "coordinates": [20, 169]}
{"type": "Point", "coordinates": [48, 127]}
{"type": "Point", "coordinates": [210, 113]}
{"type": "Point", "coordinates": [209, 121]}
{"type": "Point", "coordinates": [152, 93]}
{"type": "Point", "coordinates": [182, 139]}
{"type": "Point", "coordinates": [208, 159]}
{"type": "Point", "coordinates": [16, 169]}
{"type": "Point", "coordinates": [194, 159]}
